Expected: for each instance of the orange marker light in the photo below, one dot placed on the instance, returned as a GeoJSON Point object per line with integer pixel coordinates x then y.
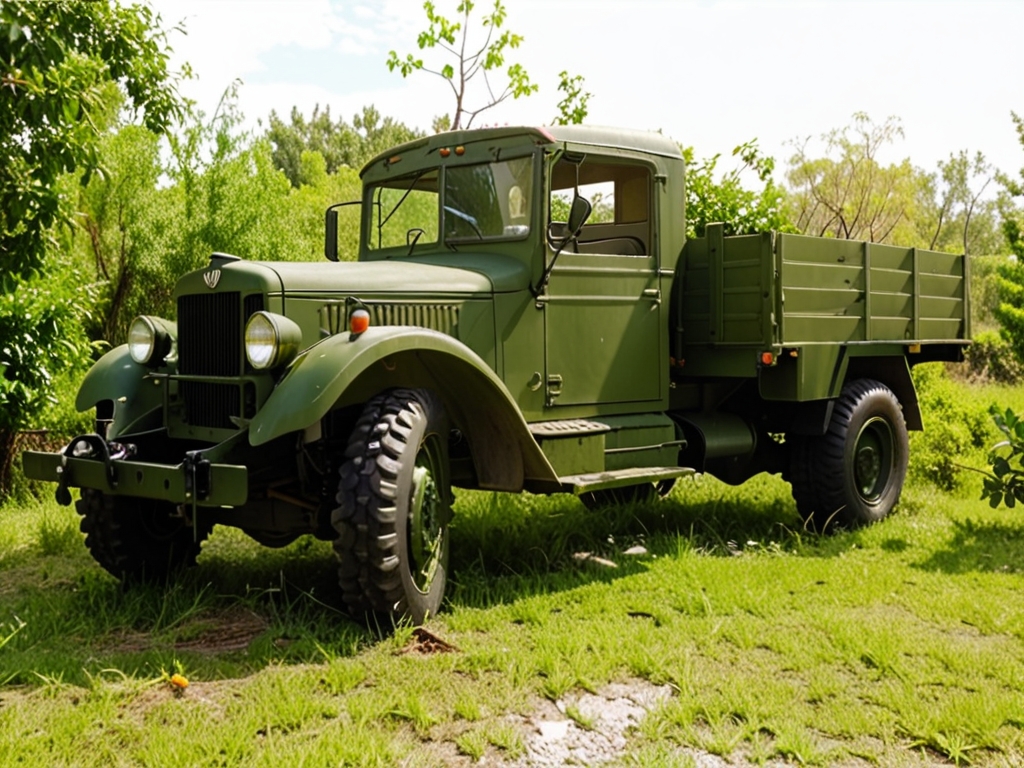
{"type": "Point", "coordinates": [767, 358]}
{"type": "Point", "coordinates": [460, 150]}
{"type": "Point", "coordinates": [444, 151]}
{"type": "Point", "coordinates": [359, 321]}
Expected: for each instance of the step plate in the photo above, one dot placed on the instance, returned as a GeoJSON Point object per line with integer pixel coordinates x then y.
{"type": "Point", "coordinates": [596, 481]}
{"type": "Point", "coordinates": [567, 428]}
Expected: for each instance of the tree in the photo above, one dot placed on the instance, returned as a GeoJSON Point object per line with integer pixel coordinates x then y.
{"type": "Point", "coordinates": [340, 143]}
{"type": "Point", "coordinates": [1010, 277]}
{"type": "Point", "coordinates": [65, 69]}
{"type": "Point", "coordinates": [470, 61]}
{"type": "Point", "coordinates": [59, 61]}
{"type": "Point", "coordinates": [1012, 214]}
{"type": "Point", "coordinates": [726, 199]}
{"type": "Point", "coordinates": [572, 109]}
{"type": "Point", "coordinates": [957, 191]}
{"type": "Point", "coordinates": [119, 212]}
{"type": "Point", "coordinates": [848, 193]}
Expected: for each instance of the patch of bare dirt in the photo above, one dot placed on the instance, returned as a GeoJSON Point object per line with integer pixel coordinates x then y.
{"type": "Point", "coordinates": [211, 632]}
{"type": "Point", "coordinates": [426, 642]}
{"type": "Point", "coordinates": [552, 738]}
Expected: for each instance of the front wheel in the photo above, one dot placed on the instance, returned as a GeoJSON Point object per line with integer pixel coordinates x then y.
{"type": "Point", "coordinates": [139, 539]}
{"type": "Point", "coordinates": [394, 506]}
{"type": "Point", "coordinates": [853, 474]}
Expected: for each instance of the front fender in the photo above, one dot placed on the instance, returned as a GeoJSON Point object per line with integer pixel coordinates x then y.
{"type": "Point", "coordinates": [341, 370]}
{"type": "Point", "coordinates": [118, 378]}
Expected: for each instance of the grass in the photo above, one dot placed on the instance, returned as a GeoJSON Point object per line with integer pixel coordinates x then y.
{"type": "Point", "coordinates": [900, 644]}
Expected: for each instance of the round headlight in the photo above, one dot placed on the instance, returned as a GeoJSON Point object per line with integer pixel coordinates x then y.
{"type": "Point", "coordinates": [150, 340]}
{"type": "Point", "coordinates": [142, 340]}
{"type": "Point", "coordinates": [261, 341]}
{"type": "Point", "coordinates": [271, 340]}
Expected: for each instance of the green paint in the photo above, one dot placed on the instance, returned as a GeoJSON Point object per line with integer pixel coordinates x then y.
{"type": "Point", "coordinates": [649, 337]}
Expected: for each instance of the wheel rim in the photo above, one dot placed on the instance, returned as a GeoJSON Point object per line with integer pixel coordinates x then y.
{"type": "Point", "coordinates": [428, 516]}
{"type": "Point", "coordinates": [873, 456]}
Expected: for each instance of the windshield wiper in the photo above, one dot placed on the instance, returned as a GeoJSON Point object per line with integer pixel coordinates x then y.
{"type": "Point", "coordinates": [466, 218]}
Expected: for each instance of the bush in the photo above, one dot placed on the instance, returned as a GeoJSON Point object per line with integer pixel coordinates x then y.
{"type": "Point", "coordinates": [956, 430]}
{"type": "Point", "coordinates": [990, 357]}
{"type": "Point", "coordinates": [1005, 483]}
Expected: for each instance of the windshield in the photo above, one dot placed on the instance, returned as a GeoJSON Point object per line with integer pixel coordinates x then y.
{"type": "Point", "coordinates": [404, 211]}
{"type": "Point", "coordinates": [489, 201]}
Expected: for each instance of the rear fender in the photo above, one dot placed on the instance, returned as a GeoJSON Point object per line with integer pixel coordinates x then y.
{"type": "Point", "coordinates": [894, 372]}
{"type": "Point", "coordinates": [119, 379]}
{"type": "Point", "coordinates": [341, 371]}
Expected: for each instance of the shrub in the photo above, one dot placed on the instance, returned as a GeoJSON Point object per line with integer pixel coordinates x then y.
{"type": "Point", "coordinates": [956, 429]}
{"type": "Point", "coordinates": [991, 357]}
{"type": "Point", "coordinates": [1005, 483]}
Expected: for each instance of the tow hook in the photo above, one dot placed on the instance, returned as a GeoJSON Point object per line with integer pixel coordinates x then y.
{"type": "Point", "coordinates": [90, 447]}
{"type": "Point", "coordinates": [197, 476]}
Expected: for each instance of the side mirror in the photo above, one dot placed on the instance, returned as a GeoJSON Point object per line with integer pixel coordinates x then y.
{"type": "Point", "coordinates": [578, 214]}
{"type": "Point", "coordinates": [331, 234]}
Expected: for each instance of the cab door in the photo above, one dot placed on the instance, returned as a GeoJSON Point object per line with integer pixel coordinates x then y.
{"type": "Point", "coordinates": [603, 324]}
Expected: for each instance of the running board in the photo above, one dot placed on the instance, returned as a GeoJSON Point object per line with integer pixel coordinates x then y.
{"type": "Point", "coordinates": [597, 481]}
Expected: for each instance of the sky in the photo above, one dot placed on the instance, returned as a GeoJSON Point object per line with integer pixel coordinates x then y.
{"type": "Point", "coordinates": [708, 74]}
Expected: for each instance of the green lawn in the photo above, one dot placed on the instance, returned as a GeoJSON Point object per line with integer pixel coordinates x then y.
{"type": "Point", "coordinates": [900, 644]}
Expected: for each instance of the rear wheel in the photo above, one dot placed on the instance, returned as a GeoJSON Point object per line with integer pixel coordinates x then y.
{"type": "Point", "coordinates": [138, 539]}
{"type": "Point", "coordinates": [394, 506]}
{"type": "Point", "coordinates": [854, 473]}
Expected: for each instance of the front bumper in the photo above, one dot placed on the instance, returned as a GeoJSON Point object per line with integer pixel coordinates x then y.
{"type": "Point", "coordinates": [190, 482]}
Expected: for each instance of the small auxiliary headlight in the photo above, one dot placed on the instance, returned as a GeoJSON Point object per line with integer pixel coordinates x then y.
{"type": "Point", "coordinates": [150, 339]}
{"type": "Point", "coordinates": [271, 340]}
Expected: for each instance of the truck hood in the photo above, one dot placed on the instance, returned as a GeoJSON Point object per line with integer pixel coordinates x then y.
{"type": "Point", "coordinates": [398, 276]}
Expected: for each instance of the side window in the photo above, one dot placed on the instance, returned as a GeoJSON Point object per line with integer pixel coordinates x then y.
{"type": "Point", "coordinates": [620, 194]}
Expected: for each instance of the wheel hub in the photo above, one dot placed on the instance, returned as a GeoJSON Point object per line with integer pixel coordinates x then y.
{"type": "Point", "coordinates": [873, 459]}
{"type": "Point", "coordinates": [426, 527]}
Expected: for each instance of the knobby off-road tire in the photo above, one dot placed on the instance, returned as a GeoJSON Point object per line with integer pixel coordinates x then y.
{"type": "Point", "coordinates": [394, 506]}
{"type": "Point", "coordinates": [138, 539]}
{"type": "Point", "coordinates": [854, 473]}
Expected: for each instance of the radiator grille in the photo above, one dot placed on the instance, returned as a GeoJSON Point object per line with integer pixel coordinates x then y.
{"type": "Point", "coordinates": [210, 405]}
{"type": "Point", "coordinates": [210, 344]}
{"type": "Point", "coordinates": [209, 334]}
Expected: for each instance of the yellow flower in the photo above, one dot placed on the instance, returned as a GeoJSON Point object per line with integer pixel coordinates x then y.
{"type": "Point", "coordinates": [179, 682]}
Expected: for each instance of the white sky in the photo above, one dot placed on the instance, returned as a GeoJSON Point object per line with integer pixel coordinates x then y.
{"type": "Point", "coordinates": [711, 74]}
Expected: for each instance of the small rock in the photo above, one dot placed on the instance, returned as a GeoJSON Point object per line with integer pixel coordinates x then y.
{"type": "Point", "coordinates": [588, 557]}
{"type": "Point", "coordinates": [636, 550]}
{"type": "Point", "coordinates": [553, 730]}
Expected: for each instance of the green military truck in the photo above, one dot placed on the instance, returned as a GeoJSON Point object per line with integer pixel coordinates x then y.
{"type": "Point", "coordinates": [526, 313]}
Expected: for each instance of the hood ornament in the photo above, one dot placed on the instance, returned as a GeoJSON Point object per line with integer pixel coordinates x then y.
{"type": "Point", "coordinates": [211, 278]}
